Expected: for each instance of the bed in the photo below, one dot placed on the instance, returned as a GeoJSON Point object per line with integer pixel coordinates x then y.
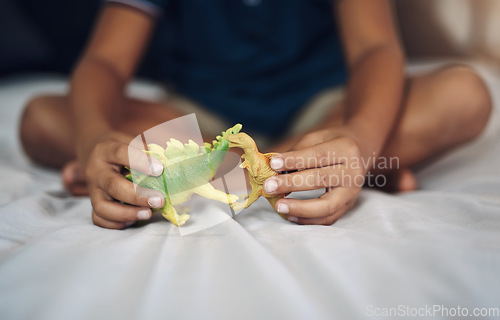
{"type": "Point", "coordinates": [433, 252]}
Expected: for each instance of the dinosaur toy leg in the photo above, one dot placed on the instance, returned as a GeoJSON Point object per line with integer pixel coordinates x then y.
{"type": "Point", "coordinates": [252, 197]}
{"type": "Point", "coordinates": [168, 212]}
{"type": "Point", "coordinates": [209, 192]}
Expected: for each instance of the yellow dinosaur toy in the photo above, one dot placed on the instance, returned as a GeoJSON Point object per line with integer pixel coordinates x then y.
{"type": "Point", "coordinates": [258, 167]}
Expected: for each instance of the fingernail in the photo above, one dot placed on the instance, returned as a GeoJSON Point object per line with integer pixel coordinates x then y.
{"type": "Point", "coordinates": [144, 214]}
{"type": "Point", "coordinates": [283, 208]}
{"type": "Point", "coordinates": [276, 163]}
{"type": "Point", "coordinates": [156, 167]}
{"type": "Point", "coordinates": [271, 185]}
{"type": "Point", "coordinates": [293, 219]}
{"type": "Point", "coordinates": [155, 202]}
{"type": "Point", "coordinates": [128, 224]}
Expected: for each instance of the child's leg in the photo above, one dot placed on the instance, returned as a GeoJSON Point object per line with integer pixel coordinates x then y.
{"type": "Point", "coordinates": [48, 139]}
{"type": "Point", "coordinates": [46, 128]}
{"type": "Point", "coordinates": [46, 131]}
{"type": "Point", "coordinates": [442, 109]}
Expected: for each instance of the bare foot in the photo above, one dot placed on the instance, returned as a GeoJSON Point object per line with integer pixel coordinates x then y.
{"type": "Point", "coordinates": [73, 178]}
{"type": "Point", "coordinates": [402, 180]}
{"type": "Point", "coordinates": [407, 181]}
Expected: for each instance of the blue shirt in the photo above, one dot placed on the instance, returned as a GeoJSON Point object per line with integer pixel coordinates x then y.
{"type": "Point", "coordinates": [256, 62]}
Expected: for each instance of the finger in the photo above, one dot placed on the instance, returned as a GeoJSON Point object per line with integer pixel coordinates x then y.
{"type": "Point", "coordinates": [111, 210]}
{"type": "Point", "coordinates": [311, 157]}
{"type": "Point", "coordinates": [302, 159]}
{"type": "Point", "coordinates": [119, 188]}
{"type": "Point", "coordinates": [313, 179]}
{"type": "Point", "coordinates": [101, 222]}
{"type": "Point", "coordinates": [324, 221]}
{"type": "Point", "coordinates": [310, 140]}
{"type": "Point", "coordinates": [329, 204]}
{"type": "Point", "coordinates": [336, 151]}
{"type": "Point", "coordinates": [127, 155]}
{"type": "Point", "coordinates": [79, 189]}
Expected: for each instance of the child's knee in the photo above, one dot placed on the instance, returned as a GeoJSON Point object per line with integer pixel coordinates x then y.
{"type": "Point", "coordinates": [30, 117]}
{"type": "Point", "coordinates": [33, 121]}
{"type": "Point", "coordinates": [468, 98]}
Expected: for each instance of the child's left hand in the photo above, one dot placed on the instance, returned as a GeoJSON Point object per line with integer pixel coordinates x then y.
{"type": "Point", "coordinates": [330, 159]}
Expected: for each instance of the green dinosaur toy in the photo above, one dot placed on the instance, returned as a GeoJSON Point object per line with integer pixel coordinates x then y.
{"type": "Point", "coordinates": [188, 168]}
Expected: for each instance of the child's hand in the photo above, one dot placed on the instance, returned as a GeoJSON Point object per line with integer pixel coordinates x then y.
{"type": "Point", "coordinates": [330, 159]}
{"type": "Point", "coordinates": [108, 187]}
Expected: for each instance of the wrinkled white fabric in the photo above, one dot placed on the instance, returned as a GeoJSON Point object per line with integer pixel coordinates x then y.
{"type": "Point", "coordinates": [436, 246]}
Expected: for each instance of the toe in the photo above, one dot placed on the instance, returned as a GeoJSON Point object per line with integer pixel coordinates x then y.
{"type": "Point", "coordinates": [407, 181]}
{"type": "Point", "coordinates": [74, 178]}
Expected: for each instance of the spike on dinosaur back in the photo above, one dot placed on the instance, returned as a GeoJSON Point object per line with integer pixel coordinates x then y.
{"type": "Point", "coordinates": [174, 149]}
{"type": "Point", "coordinates": [157, 152]}
{"type": "Point", "coordinates": [191, 149]}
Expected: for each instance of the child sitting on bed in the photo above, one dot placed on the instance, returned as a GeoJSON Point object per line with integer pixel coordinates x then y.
{"type": "Point", "coordinates": [257, 62]}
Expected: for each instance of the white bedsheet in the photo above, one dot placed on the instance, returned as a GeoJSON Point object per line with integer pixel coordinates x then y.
{"type": "Point", "coordinates": [439, 246]}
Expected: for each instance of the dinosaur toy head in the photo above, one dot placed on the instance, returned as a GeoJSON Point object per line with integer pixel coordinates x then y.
{"type": "Point", "coordinates": [219, 147]}
{"type": "Point", "coordinates": [221, 143]}
{"type": "Point", "coordinates": [240, 140]}
{"type": "Point", "coordinates": [234, 130]}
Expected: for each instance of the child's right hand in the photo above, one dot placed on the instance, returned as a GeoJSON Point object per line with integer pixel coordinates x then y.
{"type": "Point", "coordinates": [108, 187]}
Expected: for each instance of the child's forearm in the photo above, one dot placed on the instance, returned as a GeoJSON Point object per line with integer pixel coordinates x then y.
{"type": "Point", "coordinates": [96, 100]}
{"type": "Point", "coordinates": [374, 95]}
{"type": "Point", "coordinates": [372, 103]}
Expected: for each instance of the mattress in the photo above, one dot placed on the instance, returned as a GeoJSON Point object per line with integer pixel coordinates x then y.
{"type": "Point", "coordinates": [432, 252]}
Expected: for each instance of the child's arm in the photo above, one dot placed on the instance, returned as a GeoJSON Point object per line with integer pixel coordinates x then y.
{"type": "Point", "coordinates": [337, 157]}
{"type": "Point", "coordinates": [106, 67]}
{"type": "Point", "coordinates": [96, 99]}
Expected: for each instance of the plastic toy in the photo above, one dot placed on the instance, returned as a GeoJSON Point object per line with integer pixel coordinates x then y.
{"type": "Point", "coordinates": [188, 168]}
